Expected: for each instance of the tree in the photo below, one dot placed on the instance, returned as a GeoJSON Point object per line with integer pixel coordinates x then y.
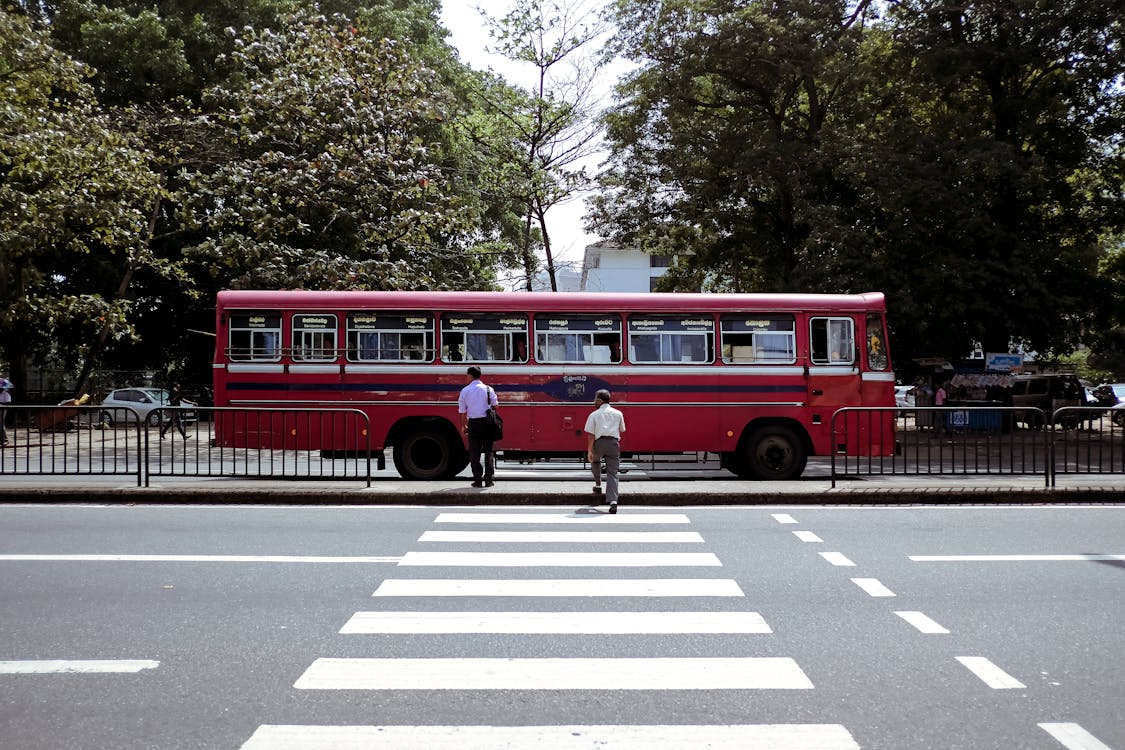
{"type": "Point", "coordinates": [332, 180]}
{"type": "Point", "coordinates": [73, 198]}
{"type": "Point", "coordinates": [544, 133]}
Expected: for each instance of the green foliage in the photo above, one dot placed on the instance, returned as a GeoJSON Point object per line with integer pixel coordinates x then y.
{"type": "Point", "coordinates": [332, 178]}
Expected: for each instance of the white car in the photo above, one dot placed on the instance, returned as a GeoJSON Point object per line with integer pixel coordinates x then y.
{"type": "Point", "coordinates": [145, 402]}
{"type": "Point", "coordinates": [904, 396]}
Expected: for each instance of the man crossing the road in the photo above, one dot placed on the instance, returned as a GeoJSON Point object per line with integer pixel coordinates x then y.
{"type": "Point", "coordinates": [604, 428]}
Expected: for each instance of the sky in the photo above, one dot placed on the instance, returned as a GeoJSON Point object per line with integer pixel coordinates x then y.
{"type": "Point", "coordinates": [469, 36]}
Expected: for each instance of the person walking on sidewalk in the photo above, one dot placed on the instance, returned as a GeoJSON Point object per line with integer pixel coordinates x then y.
{"type": "Point", "coordinates": [5, 399]}
{"type": "Point", "coordinates": [473, 404]}
{"type": "Point", "coordinates": [174, 401]}
{"type": "Point", "coordinates": [604, 428]}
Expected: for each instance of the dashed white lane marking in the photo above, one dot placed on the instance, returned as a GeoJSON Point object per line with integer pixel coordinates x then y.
{"type": "Point", "coordinates": [562, 559]}
{"type": "Point", "coordinates": [922, 622]}
{"type": "Point", "coordinates": [77, 666]}
{"type": "Point", "coordinates": [600, 519]}
{"type": "Point", "coordinates": [749, 673]}
{"type": "Point", "coordinates": [560, 587]}
{"type": "Point", "coordinates": [571, 623]}
{"type": "Point", "coordinates": [783, 518]}
{"type": "Point", "coordinates": [1012, 558]}
{"type": "Point", "coordinates": [990, 674]}
{"type": "Point", "coordinates": [609, 737]}
{"type": "Point", "coordinates": [838, 559]}
{"type": "Point", "coordinates": [1073, 737]}
{"type": "Point", "coordinates": [572, 537]}
{"type": "Point", "coordinates": [872, 586]}
{"type": "Point", "coordinates": [807, 536]}
{"type": "Point", "coordinates": [199, 558]}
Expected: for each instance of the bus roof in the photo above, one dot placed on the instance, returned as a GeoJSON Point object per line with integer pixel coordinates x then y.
{"type": "Point", "coordinates": [576, 302]}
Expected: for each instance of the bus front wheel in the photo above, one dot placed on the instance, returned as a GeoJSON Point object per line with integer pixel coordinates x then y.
{"type": "Point", "coordinates": [428, 454]}
{"type": "Point", "coordinates": [773, 453]}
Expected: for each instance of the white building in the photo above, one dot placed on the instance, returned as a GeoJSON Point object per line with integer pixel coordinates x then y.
{"type": "Point", "coordinates": [611, 268]}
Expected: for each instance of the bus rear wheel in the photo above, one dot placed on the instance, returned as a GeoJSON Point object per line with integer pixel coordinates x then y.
{"type": "Point", "coordinates": [773, 453]}
{"type": "Point", "coordinates": [429, 454]}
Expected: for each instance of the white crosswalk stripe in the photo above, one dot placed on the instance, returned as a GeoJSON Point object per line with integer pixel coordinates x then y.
{"type": "Point", "coordinates": [561, 559]}
{"type": "Point", "coordinates": [560, 587]}
{"type": "Point", "coordinates": [608, 737]}
{"type": "Point", "coordinates": [596, 519]}
{"type": "Point", "coordinates": [591, 623]}
{"type": "Point", "coordinates": [571, 537]}
{"type": "Point", "coordinates": [743, 673]}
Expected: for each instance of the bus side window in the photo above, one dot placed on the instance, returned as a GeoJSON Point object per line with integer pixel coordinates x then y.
{"type": "Point", "coordinates": [832, 341]}
{"type": "Point", "coordinates": [452, 346]}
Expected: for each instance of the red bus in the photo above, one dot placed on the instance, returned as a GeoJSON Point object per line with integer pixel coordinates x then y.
{"type": "Point", "coordinates": [754, 378]}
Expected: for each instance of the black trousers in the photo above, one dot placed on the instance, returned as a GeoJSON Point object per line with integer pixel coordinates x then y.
{"type": "Point", "coordinates": [480, 443]}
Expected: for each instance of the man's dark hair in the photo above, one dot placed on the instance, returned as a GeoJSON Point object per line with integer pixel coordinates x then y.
{"type": "Point", "coordinates": [474, 372]}
{"type": "Point", "coordinates": [602, 395]}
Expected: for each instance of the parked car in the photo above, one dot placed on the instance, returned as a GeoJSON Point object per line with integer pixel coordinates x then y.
{"type": "Point", "coordinates": [1116, 411]}
{"type": "Point", "coordinates": [1049, 392]}
{"type": "Point", "coordinates": [904, 396]}
{"type": "Point", "coordinates": [146, 402]}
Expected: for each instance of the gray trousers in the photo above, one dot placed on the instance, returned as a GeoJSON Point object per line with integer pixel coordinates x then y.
{"type": "Point", "coordinates": [609, 449]}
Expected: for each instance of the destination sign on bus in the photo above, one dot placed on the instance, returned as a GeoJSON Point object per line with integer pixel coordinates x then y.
{"type": "Point", "coordinates": [579, 323]}
{"type": "Point", "coordinates": [390, 322]}
{"type": "Point", "coordinates": [314, 322]}
{"type": "Point", "coordinates": [483, 322]}
{"type": "Point", "coordinates": [256, 320]}
{"type": "Point", "coordinates": [666, 324]}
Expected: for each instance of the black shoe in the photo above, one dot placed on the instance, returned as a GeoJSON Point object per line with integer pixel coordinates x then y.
{"type": "Point", "coordinates": [478, 484]}
{"type": "Point", "coordinates": [598, 490]}
{"type": "Point", "coordinates": [613, 508]}
{"type": "Point", "coordinates": [489, 484]}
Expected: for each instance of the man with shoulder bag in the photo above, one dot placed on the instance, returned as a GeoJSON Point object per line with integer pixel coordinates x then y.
{"type": "Point", "coordinates": [473, 404]}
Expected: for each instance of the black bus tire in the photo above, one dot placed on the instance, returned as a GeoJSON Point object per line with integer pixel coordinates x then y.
{"type": "Point", "coordinates": [428, 454]}
{"type": "Point", "coordinates": [773, 453]}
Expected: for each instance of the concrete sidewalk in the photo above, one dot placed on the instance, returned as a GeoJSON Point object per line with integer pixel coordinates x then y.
{"type": "Point", "coordinates": [527, 488]}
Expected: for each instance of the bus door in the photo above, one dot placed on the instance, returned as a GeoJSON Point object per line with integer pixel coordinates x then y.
{"type": "Point", "coordinates": [833, 380]}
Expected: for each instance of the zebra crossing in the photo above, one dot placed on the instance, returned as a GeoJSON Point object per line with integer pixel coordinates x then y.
{"type": "Point", "coordinates": [597, 614]}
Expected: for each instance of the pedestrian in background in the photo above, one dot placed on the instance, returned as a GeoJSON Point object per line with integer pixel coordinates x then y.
{"type": "Point", "coordinates": [5, 399]}
{"type": "Point", "coordinates": [174, 401]}
{"type": "Point", "coordinates": [473, 404]}
{"type": "Point", "coordinates": [604, 428]}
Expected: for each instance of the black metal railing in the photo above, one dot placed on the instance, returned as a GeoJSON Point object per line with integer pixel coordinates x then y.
{"type": "Point", "coordinates": [959, 440]}
{"type": "Point", "coordinates": [201, 442]}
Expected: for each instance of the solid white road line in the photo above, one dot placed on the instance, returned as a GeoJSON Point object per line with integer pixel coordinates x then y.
{"type": "Point", "coordinates": [1013, 558]}
{"type": "Point", "coordinates": [922, 622]}
{"type": "Point", "coordinates": [199, 558]}
{"type": "Point", "coordinates": [562, 559]}
{"type": "Point", "coordinates": [807, 536]}
{"type": "Point", "coordinates": [609, 737]}
{"type": "Point", "coordinates": [560, 587]}
{"type": "Point", "coordinates": [573, 537]}
{"type": "Point", "coordinates": [783, 518]}
{"type": "Point", "coordinates": [989, 673]}
{"type": "Point", "coordinates": [872, 586]}
{"type": "Point", "coordinates": [553, 518]}
{"type": "Point", "coordinates": [1073, 737]}
{"type": "Point", "coordinates": [837, 559]}
{"type": "Point", "coordinates": [77, 666]}
{"type": "Point", "coordinates": [759, 673]}
{"type": "Point", "coordinates": [571, 623]}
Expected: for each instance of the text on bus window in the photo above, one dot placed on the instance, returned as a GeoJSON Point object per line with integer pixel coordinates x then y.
{"type": "Point", "coordinates": [749, 339]}
{"type": "Point", "coordinates": [577, 338]}
{"type": "Point", "coordinates": [484, 337]}
{"type": "Point", "coordinates": [255, 337]}
{"type": "Point", "coordinates": [390, 337]}
{"type": "Point", "coordinates": [667, 338]}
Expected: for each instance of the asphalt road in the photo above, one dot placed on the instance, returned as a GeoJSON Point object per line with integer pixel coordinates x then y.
{"type": "Point", "coordinates": [766, 627]}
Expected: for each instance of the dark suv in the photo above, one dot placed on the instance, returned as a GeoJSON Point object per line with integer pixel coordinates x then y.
{"type": "Point", "coordinates": [1049, 392]}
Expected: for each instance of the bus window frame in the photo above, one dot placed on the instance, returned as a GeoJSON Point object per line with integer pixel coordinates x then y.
{"type": "Point", "coordinates": [589, 341]}
{"type": "Point", "coordinates": [877, 358]}
{"type": "Point", "coordinates": [355, 350]}
{"type": "Point", "coordinates": [309, 353]}
{"type": "Point", "coordinates": [508, 337]}
{"type": "Point", "coordinates": [661, 334]}
{"type": "Point", "coordinates": [849, 340]}
{"type": "Point", "coordinates": [754, 334]}
{"type": "Point", "coordinates": [274, 351]}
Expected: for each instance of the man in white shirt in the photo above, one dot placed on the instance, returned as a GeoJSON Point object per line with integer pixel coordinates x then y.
{"type": "Point", "coordinates": [604, 428]}
{"type": "Point", "coordinates": [473, 404]}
